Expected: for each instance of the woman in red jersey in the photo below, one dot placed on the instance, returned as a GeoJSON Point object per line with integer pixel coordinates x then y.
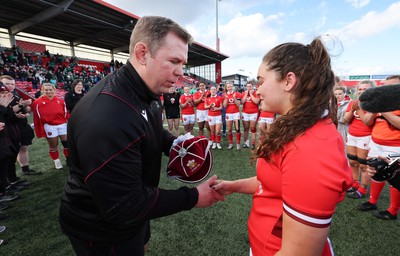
{"type": "Point", "coordinates": [199, 98]}
{"type": "Point", "coordinates": [358, 138]}
{"type": "Point", "coordinates": [214, 105]}
{"type": "Point", "coordinates": [232, 103]}
{"type": "Point", "coordinates": [302, 170]}
{"type": "Point", "coordinates": [264, 122]}
{"type": "Point", "coordinates": [187, 109]}
{"type": "Point", "coordinates": [50, 120]}
{"type": "Point", "coordinates": [250, 102]}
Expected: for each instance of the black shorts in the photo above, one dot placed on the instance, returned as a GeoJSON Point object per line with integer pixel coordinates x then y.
{"type": "Point", "coordinates": [174, 116]}
{"type": "Point", "coordinates": [27, 135]}
{"type": "Point", "coordinates": [172, 112]}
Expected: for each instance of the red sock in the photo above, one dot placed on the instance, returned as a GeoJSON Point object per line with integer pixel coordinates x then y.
{"type": "Point", "coordinates": [356, 184]}
{"type": "Point", "coordinates": [54, 154]}
{"type": "Point", "coordinates": [238, 136]}
{"type": "Point", "coordinates": [218, 138]}
{"type": "Point", "coordinates": [213, 137]}
{"type": "Point", "coordinates": [376, 189]}
{"type": "Point", "coordinates": [230, 137]}
{"type": "Point", "coordinates": [362, 190]}
{"type": "Point", "coordinates": [65, 151]}
{"type": "Point", "coordinates": [394, 201]}
{"type": "Point", "coordinates": [253, 142]}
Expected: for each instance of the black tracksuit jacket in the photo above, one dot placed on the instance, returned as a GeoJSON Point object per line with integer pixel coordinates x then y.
{"type": "Point", "coordinates": [115, 160]}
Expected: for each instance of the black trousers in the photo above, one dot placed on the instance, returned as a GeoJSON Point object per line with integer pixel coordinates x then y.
{"type": "Point", "coordinates": [131, 247]}
{"type": "Point", "coordinates": [3, 174]}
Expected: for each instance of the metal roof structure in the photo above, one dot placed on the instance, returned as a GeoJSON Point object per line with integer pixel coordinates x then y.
{"type": "Point", "coordinates": [94, 23]}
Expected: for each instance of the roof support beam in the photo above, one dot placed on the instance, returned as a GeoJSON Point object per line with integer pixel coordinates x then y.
{"type": "Point", "coordinates": [120, 49]}
{"type": "Point", "coordinates": [40, 17]}
{"type": "Point", "coordinates": [101, 34]}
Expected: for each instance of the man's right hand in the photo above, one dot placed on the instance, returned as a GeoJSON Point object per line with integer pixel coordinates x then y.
{"type": "Point", "coordinates": [207, 195]}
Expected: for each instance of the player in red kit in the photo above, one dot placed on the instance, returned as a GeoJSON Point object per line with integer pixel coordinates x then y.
{"type": "Point", "coordinates": [250, 101]}
{"type": "Point", "coordinates": [232, 103]}
{"type": "Point", "coordinates": [187, 109]}
{"type": "Point", "coordinates": [302, 170]}
{"type": "Point", "coordinates": [50, 119]}
{"type": "Point", "coordinates": [214, 104]}
{"type": "Point", "coordinates": [201, 112]}
{"type": "Point", "coordinates": [265, 120]}
{"type": "Point", "coordinates": [358, 138]}
{"type": "Point", "coordinates": [385, 140]}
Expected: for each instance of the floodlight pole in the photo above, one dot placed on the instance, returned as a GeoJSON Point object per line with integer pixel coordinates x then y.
{"type": "Point", "coordinates": [216, 24]}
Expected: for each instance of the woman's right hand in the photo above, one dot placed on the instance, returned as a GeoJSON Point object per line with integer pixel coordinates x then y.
{"type": "Point", "coordinates": [223, 187]}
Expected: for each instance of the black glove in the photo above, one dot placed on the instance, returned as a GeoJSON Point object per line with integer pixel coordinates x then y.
{"type": "Point", "coordinates": [384, 170]}
{"type": "Point", "coordinates": [395, 181]}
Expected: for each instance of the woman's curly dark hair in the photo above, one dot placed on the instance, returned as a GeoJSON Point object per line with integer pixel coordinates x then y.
{"type": "Point", "coordinates": [311, 97]}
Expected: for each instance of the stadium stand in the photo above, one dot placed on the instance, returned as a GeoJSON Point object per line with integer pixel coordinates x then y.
{"type": "Point", "coordinates": [106, 27]}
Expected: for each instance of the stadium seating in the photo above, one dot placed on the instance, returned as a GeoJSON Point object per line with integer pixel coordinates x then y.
{"type": "Point", "coordinates": [27, 87]}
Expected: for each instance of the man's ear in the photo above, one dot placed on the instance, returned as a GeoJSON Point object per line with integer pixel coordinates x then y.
{"type": "Point", "coordinates": [140, 51]}
{"type": "Point", "coordinates": [291, 81]}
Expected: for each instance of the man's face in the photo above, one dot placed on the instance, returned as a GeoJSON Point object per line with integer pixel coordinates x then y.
{"type": "Point", "coordinates": [165, 67]}
{"type": "Point", "coordinates": [10, 84]}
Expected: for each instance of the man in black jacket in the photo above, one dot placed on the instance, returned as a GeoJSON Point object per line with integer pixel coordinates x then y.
{"type": "Point", "coordinates": [116, 141]}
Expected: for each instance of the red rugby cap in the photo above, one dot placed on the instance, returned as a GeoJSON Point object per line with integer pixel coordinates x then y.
{"type": "Point", "coordinates": [190, 161]}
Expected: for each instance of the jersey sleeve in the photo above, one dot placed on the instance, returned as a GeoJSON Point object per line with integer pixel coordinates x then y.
{"type": "Point", "coordinates": [182, 99]}
{"type": "Point", "coordinates": [38, 125]}
{"type": "Point", "coordinates": [349, 106]}
{"type": "Point", "coordinates": [310, 188]}
{"type": "Point", "coordinates": [238, 96]}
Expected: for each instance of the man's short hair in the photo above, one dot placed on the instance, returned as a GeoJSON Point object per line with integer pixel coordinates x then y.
{"type": "Point", "coordinates": [6, 77]}
{"type": "Point", "coordinates": [152, 30]}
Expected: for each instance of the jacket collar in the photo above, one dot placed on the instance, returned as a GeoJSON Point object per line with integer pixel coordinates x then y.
{"type": "Point", "coordinates": [138, 86]}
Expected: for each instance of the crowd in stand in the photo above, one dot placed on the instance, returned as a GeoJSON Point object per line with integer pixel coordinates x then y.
{"type": "Point", "coordinates": [60, 70]}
